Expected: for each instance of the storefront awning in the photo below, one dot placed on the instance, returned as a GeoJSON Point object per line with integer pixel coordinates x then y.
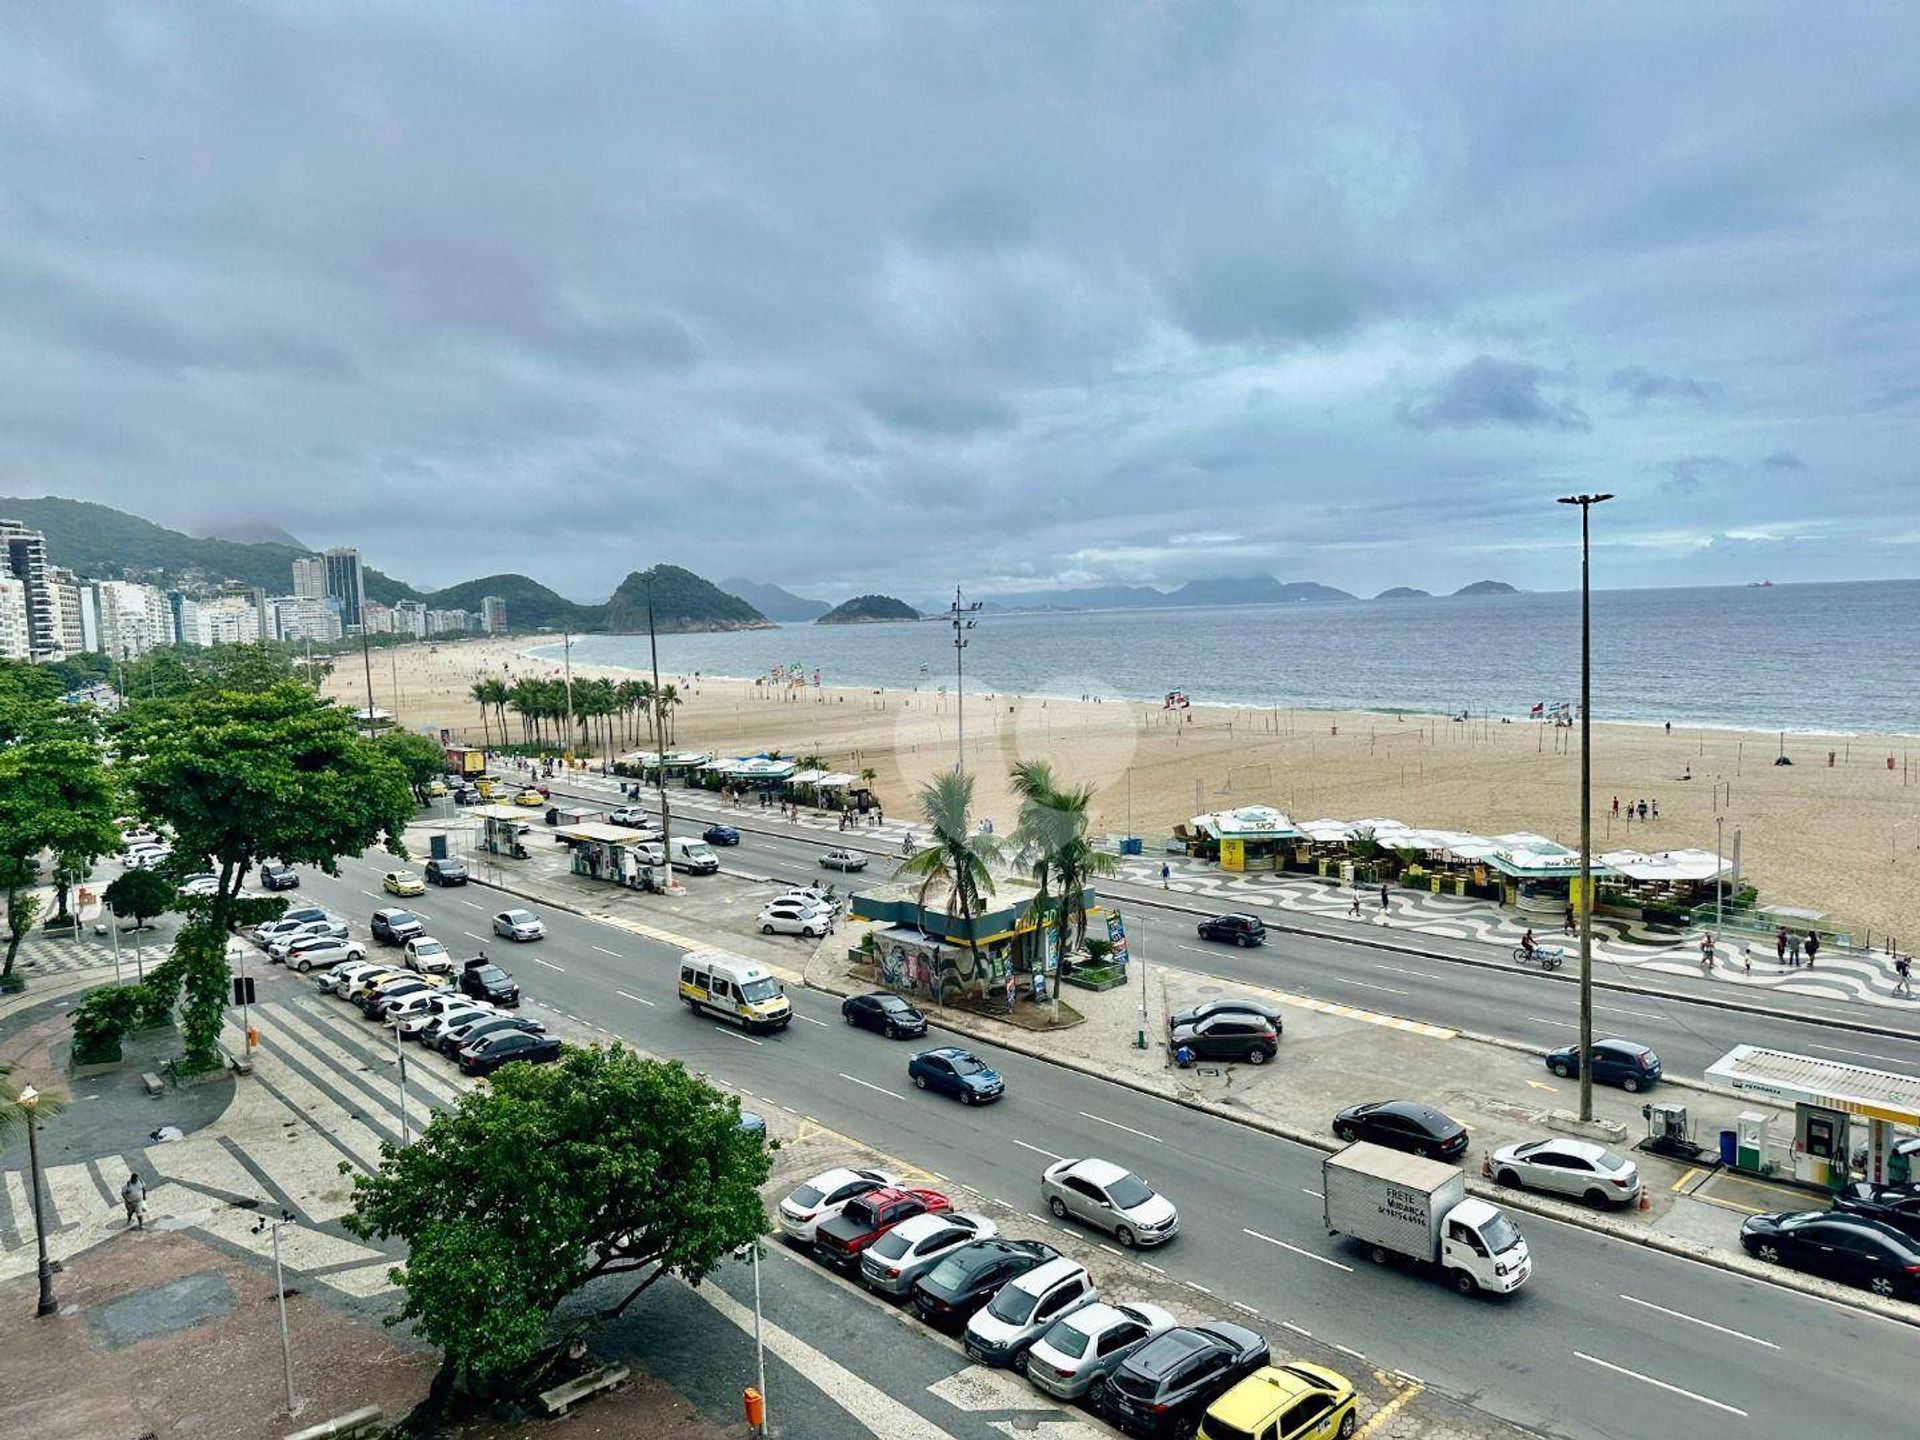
{"type": "Point", "coordinates": [1675, 865]}
{"type": "Point", "coordinates": [1249, 822]}
{"type": "Point", "coordinates": [1793, 1079]}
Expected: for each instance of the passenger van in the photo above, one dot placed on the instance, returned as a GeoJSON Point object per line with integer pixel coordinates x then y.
{"type": "Point", "coordinates": [733, 989]}
{"type": "Point", "coordinates": [694, 856]}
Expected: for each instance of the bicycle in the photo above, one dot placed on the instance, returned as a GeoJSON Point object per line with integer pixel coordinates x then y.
{"type": "Point", "coordinates": [1546, 959]}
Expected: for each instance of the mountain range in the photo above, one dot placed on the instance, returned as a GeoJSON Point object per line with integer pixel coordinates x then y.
{"type": "Point", "coordinates": [1236, 590]}
{"type": "Point", "coordinates": [774, 602]}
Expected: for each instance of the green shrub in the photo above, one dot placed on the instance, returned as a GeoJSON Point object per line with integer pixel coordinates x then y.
{"type": "Point", "coordinates": [102, 1019]}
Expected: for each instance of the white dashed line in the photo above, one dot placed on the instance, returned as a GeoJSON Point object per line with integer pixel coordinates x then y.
{"type": "Point", "coordinates": [1347, 1350]}
{"type": "Point", "coordinates": [1563, 1024]}
{"type": "Point", "coordinates": [548, 963]}
{"type": "Point", "coordinates": [870, 1085]}
{"type": "Point", "coordinates": [1245, 1309]}
{"type": "Point", "coordinates": [1196, 1285]}
{"type": "Point", "coordinates": [369, 894]}
{"type": "Point", "coordinates": [736, 1035]}
{"type": "Point", "coordinates": [1153, 1267]}
{"type": "Point", "coordinates": [811, 1021]}
{"type": "Point", "coordinates": [1038, 1151]}
{"type": "Point", "coordinates": [1696, 1320]}
{"type": "Point", "coordinates": [1111, 1250]}
{"type": "Point", "coordinates": [1297, 1329]}
{"type": "Point", "coordinates": [1417, 974]}
{"type": "Point", "coordinates": [1369, 985]}
{"type": "Point", "coordinates": [471, 906]}
{"type": "Point", "coordinates": [1043, 1219]}
{"type": "Point", "coordinates": [1102, 1120]}
{"type": "Point", "coordinates": [604, 951]}
{"type": "Point", "coordinates": [635, 998]}
{"type": "Point", "coordinates": [1318, 1195]}
{"type": "Point", "coordinates": [1003, 1204]}
{"type": "Point", "coordinates": [1297, 1250]}
{"type": "Point", "coordinates": [471, 936]}
{"type": "Point", "coordinates": [1409, 1377]}
{"type": "Point", "coordinates": [1660, 1384]}
{"type": "Point", "coordinates": [1858, 1054]}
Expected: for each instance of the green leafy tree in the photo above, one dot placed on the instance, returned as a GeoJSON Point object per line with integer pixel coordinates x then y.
{"type": "Point", "coordinates": [55, 796]}
{"type": "Point", "coordinates": [959, 862]}
{"type": "Point", "coordinates": [140, 895]}
{"type": "Point", "coordinates": [482, 695]}
{"type": "Point", "coordinates": [419, 757]}
{"type": "Point", "coordinates": [239, 777]}
{"type": "Point", "coordinates": [605, 1169]}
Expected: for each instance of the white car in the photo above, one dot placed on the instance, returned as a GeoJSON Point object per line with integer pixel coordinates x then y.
{"type": "Point", "coordinates": [428, 955]}
{"type": "Point", "coordinates": [201, 882]}
{"type": "Point", "coordinates": [519, 925]}
{"type": "Point", "coordinates": [1578, 1168]}
{"type": "Point", "coordinates": [293, 920]}
{"type": "Point", "coordinates": [318, 952]}
{"type": "Point", "coordinates": [1078, 1354]}
{"type": "Point", "coordinates": [913, 1247]}
{"type": "Point", "coordinates": [1025, 1308]}
{"type": "Point", "coordinates": [634, 818]}
{"type": "Point", "coordinates": [843, 860]}
{"type": "Point", "coordinates": [145, 857]}
{"type": "Point", "coordinates": [421, 1021]}
{"type": "Point", "coordinates": [370, 979]}
{"type": "Point", "coordinates": [278, 945]}
{"type": "Point", "coordinates": [817, 894]}
{"type": "Point", "coordinates": [336, 980]}
{"type": "Point", "coordinates": [793, 917]}
{"type": "Point", "coordinates": [823, 1198]}
{"type": "Point", "coordinates": [1112, 1198]}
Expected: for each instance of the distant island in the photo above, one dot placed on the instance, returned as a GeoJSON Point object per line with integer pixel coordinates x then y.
{"type": "Point", "coordinates": [1404, 592]}
{"type": "Point", "coordinates": [774, 602]}
{"type": "Point", "coordinates": [682, 603]}
{"type": "Point", "coordinates": [868, 610]}
{"type": "Point", "coordinates": [1487, 587]}
{"type": "Point", "coordinates": [1232, 590]}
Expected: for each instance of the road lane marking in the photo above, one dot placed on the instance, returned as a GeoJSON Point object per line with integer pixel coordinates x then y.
{"type": "Point", "coordinates": [604, 951]}
{"type": "Point", "coordinates": [640, 1000]}
{"type": "Point", "coordinates": [1563, 1024]}
{"type": "Point", "coordinates": [1386, 1412]}
{"type": "Point", "coordinates": [1542, 1085]}
{"type": "Point", "coordinates": [1638, 1014]}
{"type": "Point", "coordinates": [1038, 1151]}
{"type": "Point", "coordinates": [548, 963]}
{"type": "Point", "coordinates": [1248, 1309]}
{"type": "Point", "coordinates": [1859, 1054]}
{"type": "Point", "coordinates": [1196, 1285]}
{"type": "Point", "coordinates": [736, 1035]}
{"type": "Point", "coordinates": [1153, 1267]}
{"type": "Point", "coordinates": [811, 1021]}
{"type": "Point", "coordinates": [1696, 1320]}
{"type": "Point", "coordinates": [472, 906]}
{"type": "Point", "coordinates": [1297, 1329]}
{"type": "Point", "coordinates": [1118, 1126]}
{"type": "Point", "coordinates": [870, 1085]}
{"type": "Point", "coordinates": [369, 894]}
{"type": "Point", "coordinates": [471, 936]}
{"type": "Point", "coordinates": [1420, 974]}
{"type": "Point", "coordinates": [1349, 1350]}
{"type": "Point", "coordinates": [1298, 1251]}
{"type": "Point", "coordinates": [1368, 985]}
{"type": "Point", "coordinates": [1317, 1194]}
{"type": "Point", "coordinates": [1661, 1384]}
{"type": "Point", "coordinates": [1689, 1177]}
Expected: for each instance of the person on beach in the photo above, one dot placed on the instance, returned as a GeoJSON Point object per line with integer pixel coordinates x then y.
{"type": "Point", "coordinates": [1813, 948]}
{"type": "Point", "coordinates": [1643, 810]}
{"type": "Point", "coordinates": [1793, 950]}
{"type": "Point", "coordinates": [1656, 809]}
{"type": "Point", "coordinates": [1616, 804]}
{"type": "Point", "coordinates": [1780, 945]}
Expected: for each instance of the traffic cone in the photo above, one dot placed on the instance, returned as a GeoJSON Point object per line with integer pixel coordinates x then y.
{"type": "Point", "coordinates": [1486, 1166]}
{"type": "Point", "coordinates": [1646, 1200]}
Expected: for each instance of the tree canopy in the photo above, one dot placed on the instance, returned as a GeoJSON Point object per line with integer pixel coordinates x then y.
{"type": "Point", "coordinates": [604, 1166]}
{"type": "Point", "coordinates": [419, 757]}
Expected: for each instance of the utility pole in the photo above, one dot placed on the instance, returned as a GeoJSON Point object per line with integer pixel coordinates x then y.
{"type": "Point", "coordinates": [1586, 504]}
{"type": "Point", "coordinates": [400, 1064]}
{"type": "Point", "coordinates": [961, 617]}
{"type": "Point", "coordinates": [566, 660]}
{"type": "Point", "coordinates": [1719, 886]}
{"type": "Point", "coordinates": [672, 887]}
{"type": "Point", "coordinates": [367, 656]}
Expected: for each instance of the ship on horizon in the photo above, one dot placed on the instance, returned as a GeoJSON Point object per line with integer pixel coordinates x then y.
{"type": "Point", "coordinates": [1759, 584]}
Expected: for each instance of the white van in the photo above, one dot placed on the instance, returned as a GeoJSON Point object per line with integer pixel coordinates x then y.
{"type": "Point", "coordinates": [734, 989]}
{"type": "Point", "coordinates": [695, 857]}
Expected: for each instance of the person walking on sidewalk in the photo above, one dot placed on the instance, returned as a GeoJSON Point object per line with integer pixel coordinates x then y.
{"type": "Point", "coordinates": [1353, 910]}
{"type": "Point", "coordinates": [133, 1195]}
{"type": "Point", "coordinates": [1166, 875]}
{"type": "Point", "coordinates": [1813, 947]}
{"type": "Point", "coordinates": [1383, 897]}
{"type": "Point", "coordinates": [1780, 945]}
{"type": "Point", "coordinates": [1903, 976]}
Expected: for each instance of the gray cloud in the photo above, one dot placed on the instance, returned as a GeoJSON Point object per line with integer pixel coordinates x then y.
{"type": "Point", "coordinates": [1688, 474]}
{"type": "Point", "coordinates": [1486, 391]}
{"type": "Point", "coordinates": [1783, 460]}
{"type": "Point", "coordinates": [1640, 383]}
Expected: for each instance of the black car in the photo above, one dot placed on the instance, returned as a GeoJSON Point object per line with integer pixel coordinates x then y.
{"type": "Point", "coordinates": [1849, 1248]}
{"type": "Point", "coordinates": [466, 795]}
{"type": "Point", "coordinates": [495, 1050]}
{"type": "Point", "coordinates": [1895, 1205]}
{"type": "Point", "coordinates": [1403, 1125]}
{"type": "Point", "coordinates": [1234, 929]}
{"type": "Point", "coordinates": [883, 1011]}
{"type": "Point", "coordinates": [947, 1295]}
{"type": "Point", "coordinates": [1229, 1035]}
{"type": "Point", "coordinates": [276, 875]}
{"type": "Point", "coordinates": [1162, 1388]}
{"type": "Point", "coordinates": [459, 1037]}
{"type": "Point", "coordinates": [1626, 1063]}
{"type": "Point", "coordinates": [484, 980]}
{"type": "Point", "coordinates": [396, 927]}
{"type": "Point", "coordinates": [1245, 1005]}
{"type": "Point", "coordinates": [446, 872]}
{"type": "Point", "coordinates": [721, 835]}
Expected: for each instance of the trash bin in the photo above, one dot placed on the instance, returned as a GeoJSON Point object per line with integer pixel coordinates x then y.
{"type": "Point", "coordinates": [1729, 1148]}
{"type": "Point", "coordinates": [1130, 845]}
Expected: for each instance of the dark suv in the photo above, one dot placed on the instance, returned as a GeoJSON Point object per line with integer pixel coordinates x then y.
{"type": "Point", "coordinates": [1240, 930]}
{"type": "Point", "coordinates": [1229, 1035]}
{"type": "Point", "coordinates": [1615, 1062]}
{"type": "Point", "coordinates": [276, 875]}
{"type": "Point", "coordinates": [947, 1295]}
{"type": "Point", "coordinates": [484, 980]}
{"type": "Point", "coordinates": [446, 872]}
{"type": "Point", "coordinates": [396, 927]}
{"type": "Point", "coordinates": [1162, 1388]}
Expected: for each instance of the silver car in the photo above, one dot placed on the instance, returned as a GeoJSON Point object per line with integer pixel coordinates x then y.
{"type": "Point", "coordinates": [1078, 1353]}
{"type": "Point", "coordinates": [1578, 1168]}
{"type": "Point", "coordinates": [519, 925]}
{"type": "Point", "coordinates": [1111, 1198]}
{"type": "Point", "coordinates": [913, 1247]}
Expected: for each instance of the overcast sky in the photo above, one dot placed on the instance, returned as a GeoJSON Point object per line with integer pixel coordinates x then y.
{"type": "Point", "coordinates": [892, 296]}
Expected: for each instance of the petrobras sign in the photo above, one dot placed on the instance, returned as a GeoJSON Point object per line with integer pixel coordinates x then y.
{"type": "Point", "coordinates": [1117, 936]}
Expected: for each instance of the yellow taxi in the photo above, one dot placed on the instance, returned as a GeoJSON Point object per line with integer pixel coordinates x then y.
{"type": "Point", "coordinates": [402, 882]}
{"type": "Point", "coordinates": [437, 788]}
{"type": "Point", "coordinates": [529, 798]}
{"type": "Point", "coordinates": [1293, 1401]}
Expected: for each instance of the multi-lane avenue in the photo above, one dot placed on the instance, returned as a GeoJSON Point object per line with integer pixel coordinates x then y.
{"type": "Point", "coordinates": [1609, 1340]}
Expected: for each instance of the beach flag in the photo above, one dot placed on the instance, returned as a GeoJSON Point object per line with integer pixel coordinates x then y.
{"type": "Point", "coordinates": [1537, 711]}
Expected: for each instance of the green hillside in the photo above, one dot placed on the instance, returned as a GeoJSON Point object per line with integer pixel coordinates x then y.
{"type": "Point", "coordinates": [867, 610]}
{"type": "Point", "coordinates": [682, 601]}
{"type": "Point", "coordinates": [530, 605]}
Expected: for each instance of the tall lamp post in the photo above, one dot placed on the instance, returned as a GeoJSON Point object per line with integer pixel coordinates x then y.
{"type": "Point", "coordinates": [962, 618]}
{"type": "Point", "coordinates": [1586, 504]}
{"type": "Point", "coordinates": [30, 1103]}
{"type": "Point", "coordinates": [672, 887]}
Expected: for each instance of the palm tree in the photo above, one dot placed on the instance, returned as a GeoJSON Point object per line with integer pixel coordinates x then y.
{"type": "Point", "coordinates": [13, 1114]}
{"type": "Point", "coordinates": [482, 695]}
{"type": "Point", "coordinates": [643, 692]}
{"type": "Point", "coordinates": [669, 697]}
{"type": "Point", "coordinates": [958, 861]}
{"type": "Point", "coordinates": [1050, 839]}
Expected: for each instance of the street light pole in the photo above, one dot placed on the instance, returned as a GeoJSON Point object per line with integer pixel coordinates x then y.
{"type": "Point", "coordinates": [672, 886]}
{"type": "Point", "coordinates": [400, 1061]}
{"type": "Point", "coordinates": [1719, 885]}
{"type": "Point", "coordinates": [961, 615]}
{"type": "Point", "coordinates": [566, 661]}
{"type": "Point", "coordinates": [759, 1349]}
{"type": "Point", "coordinates": [280, 1291]}
{"type": "Point", "coordinates": [30, 1102]}
{"type": "Point", "coordinates": [366, 655]}
{"type": "Point", "coordinates": [1586, 504]}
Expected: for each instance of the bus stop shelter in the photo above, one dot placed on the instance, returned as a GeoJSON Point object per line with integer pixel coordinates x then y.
{"type": "Point", "coordinates": [1829, 1099]}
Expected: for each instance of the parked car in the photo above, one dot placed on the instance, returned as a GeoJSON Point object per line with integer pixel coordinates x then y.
{"type": "Point", "coordinates": [532, 799]}
{"type": "Point", "coordinates": [1241, 930]}
{"type": "Point", "coordinates": [318, 952]}
{"type": "Point", "coordinates": [428, 955]}
{"type": "Point", "coordinates": [411, 1014]}
{"type": "Point", "coordinates": [791, 917]}
{"type": "Point", "coordinates": [466, 795]}
{"type": "Point", "coordinates": [279, 944]}
{"type": "Point", "coordinates": [947, 1296]}
{"type": "Point", "coordinates": [1073, 1359]}
{"type": "Point", "coordinates": [1624, 1063]}
{"type": "Point", "coordinates": [1229, 1035]}
{"type": "Point", "coordinates": [277, 876]}
{"type": "Point", "coordinates": [866, 1218]}
{"type": "Point", "coordinates": [457, 1037]}
{"type": "Point", "coordinates": [634, 818]}
{"type": "Point", "coordinates": [1162, 1388]}
{"type": "Point", "coordinates": [456, 1011]}
{"type": "Point", "coordinates": [885, 1012]}
{"type": "Point", "coordinates": [396, 927]}
{"type": "Point", "coordinates": [953, 1071]}
{"type": "Point", "coordinates": [294, 915]}
{"type": "Point", "coordinates": [519, 925]}
{"type": "Point", "coordinates": [1284, 1401]}
{"type": "Point", "coordinates": [446, 872]}
{"type": "Point", "coordinates": [824, 1197]}
{"type": "Point", "coordinates": [1403, 1125]}
{"type": "Point", "coordinates": [201, 882]}
{"type": "Point", "coordinates": [366, 980]}
{"type": "Point", "coordinates": [375, 999]}
{"type": "Point", "coordinates": [402, 882]}
{"type": "Point", "coordinates": [1025, 1308]}
{"type": "Point", "coordinates": [336, 980]}
{"type": "Point", "coordinates": [1849, 1248]}
{"type": "Point", "coordinates": [843, 860]}
{"type": "Point", "coordinates": [1578, 1168]}
{"type": "Point", "coordinates": [490, 1052]}
{"type": "Point", "coordinates": [484, 980]}
{"type": "Point", "coordinates": [1895, 1205]}
{"type": "Point", "coordinates": [720, 835]}
{"type": "Point", "coordinates": [1112, 1198]}
{"type": "Point", "coordinates": [892, 1263]}
{"type": "Point", "coordinates": [1237, 1005]}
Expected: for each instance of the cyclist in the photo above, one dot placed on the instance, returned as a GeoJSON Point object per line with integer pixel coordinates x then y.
{"type": "Point", "coordinates": [1527, 945]}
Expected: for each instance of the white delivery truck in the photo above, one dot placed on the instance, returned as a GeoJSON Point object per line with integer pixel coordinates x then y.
{"type": "Point", "coordinates": [693, 856]}
{"type": "Point", "coordinates": [1399, 1204]}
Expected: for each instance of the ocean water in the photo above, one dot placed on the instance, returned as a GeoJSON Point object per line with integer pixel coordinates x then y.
{"type": "Point", "coordinates": [1827, 657]}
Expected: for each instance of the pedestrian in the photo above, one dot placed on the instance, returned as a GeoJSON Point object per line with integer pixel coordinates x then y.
{"type": "Point", "coordinates": [133, 1195]}
{"type": "Point", "coordinates": [1903, 976]}
{"type": "Point", "coordinates": [1813, 948]}
{"type": "Point", "coordinates": [1780, 945]}
{"type": "Point", "coordinates": [1669, 727]}
{"type": "Point", "coordinates": [1616, 804]}
{"type": "Point", "coordinates": [1745, 950]}
{"type": "Point", "coordinates": [1706, 951]}
{"type": "Point", "coordinates": [1656, 809]}
{"type": "Point", "coordinates": [1570, 924]}
{"type": "Point", "coordinates": [1383, 897]}
{"type": "Point", "coordinates": [1166, 875]}
{"type": "Point", "coordinates": [1643, 810]}
{"type": "Point", "coordinates": [1353, 910]}
{"type": "Point", "coordinates": [1793, 950]}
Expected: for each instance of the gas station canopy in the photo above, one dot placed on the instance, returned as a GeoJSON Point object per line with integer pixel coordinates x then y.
{"type": "Point", "coordinates": [1802, 1080]}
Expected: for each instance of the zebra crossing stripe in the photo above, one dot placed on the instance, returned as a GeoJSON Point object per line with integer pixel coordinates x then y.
{"type": "Point", "coordinates": [421, 1077]}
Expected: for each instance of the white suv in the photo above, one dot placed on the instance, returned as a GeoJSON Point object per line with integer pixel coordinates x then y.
{"type": "Point", "coordinates": [823, 1198]}
{"type": "Point", "coordinates": [317, 952]}
{"type": "Point", "coordinates": [1025, 1308]}
{"type": "Point", "coordinates": [428, 955]}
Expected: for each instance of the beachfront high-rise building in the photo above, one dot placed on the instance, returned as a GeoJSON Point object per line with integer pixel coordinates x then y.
{"type": "Point", "coordinates": [299, 618]}
{"type": "Point", "coordinates": [23, 555]}
{"type": "Point", "coordinates": [449, 622]}
{"type": "Point", "coordinates": [347, 584]}
{"type": "Point", "coordinates": [15, 641]}
{"type": "Point", "coordinates": [493, 615]}
{"type": "Point", "coordinates": [310, 577]}
{"type": "Point", "coordinates": [229, 620]}
{"type": "Point", "coordinates": [67, 603]}
{"type": "Point", "coordinates": [410, 619]}
{"type": "Point", "coordinates": [133, 618]}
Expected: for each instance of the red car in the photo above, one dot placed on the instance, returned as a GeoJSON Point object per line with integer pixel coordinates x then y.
{"type": "Point", "coordinates": [840, 1240]}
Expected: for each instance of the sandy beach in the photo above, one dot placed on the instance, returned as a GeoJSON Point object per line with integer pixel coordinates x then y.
{"type": "Point", "coordinates": [1813, 835]}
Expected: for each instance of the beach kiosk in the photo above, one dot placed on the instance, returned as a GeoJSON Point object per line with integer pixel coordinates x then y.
{"type": "Point", "coordinates": [1830, 1101]}
{"type": "Point", "coordinates": [609, 852]}
{"type": "Point", "coordinates": [500, 829]}
{"type": "Point", "coordinates": [1253, 837]}
{"type": "Point", "coordinates": [1009, 938]}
